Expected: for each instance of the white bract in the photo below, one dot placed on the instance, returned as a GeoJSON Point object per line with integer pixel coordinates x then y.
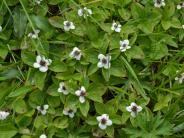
{"type": "Point", "coordinates": [183, 26]}
{"type": "Point", "coordinates": [62, 88]}
{"type": "Point", "coordinates": [76, 53]}
{"type": "Point", "coordinates": [34, 34]}
{"type": "Point", "coordinates": [124, 45]}
{"type": "Point", "coordinates": [69, 112]}
{"type": "Point", "coordinates": [1, 28]}
{"type": "Point", "coordinates": [81, 94]}
{"type": "Point", "coordinates": [134, 109]}
{"type": "Point", "coordinates": [104, 61]}
{"type": "Point", "coordinates": [43, 136]}
{"type": "Point", "coordinates": [42, 63]}
{"type": "Point", "coordinates": [180, 78]}
{"type": "Point", "coordinates": [84, 12]}
{"type": "Point", "coordinates": [38, 1]}
{"type": "Point", "coordinates": [68, 25]}
{"type": "Point", "coordinates": [43, 109]}
{"type": "Point", "coordinates": [104, 121]}
{"type": "Point", "coordinates": [180, 5]}
{"type": "Point", "coordinates": [116, 27]}
{"type": "Point", "coordinates": [159, 3]}
{"type": "Point", "coordinates": [3, 115]}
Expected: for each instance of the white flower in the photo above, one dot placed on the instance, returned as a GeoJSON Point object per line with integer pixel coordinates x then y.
{"type": "Point", "coordinates": [42, 63]}
{"type": "Point", "coordinates": [104, 61]}
{"type": "Point", "coordinates": [69, 111]}
{"type": "Point", "coordinates": [183, 26]}
{"type": "Point", "coordinates": [34, 34]}
{"type": "Point", "coordinates": [43, 136]}
{"type": "Point", "coordinates": [84, 12]}
{"type": "Point", "coordinates": [68, 25]}
{"type": "Point", "coordinates": [76, 53]}
{"type": "Point", "coordinates": [104, 121]}
{"type": "Point", "coordinates": [38, 1]}
{"type": "Point", "coordinates": [124, 45]}
{"type": "Point", "coordinates": [134, 109]}
{"type": "Point", "coordinates": [3, 115]}
{"type": "Point", "coordinates": [159, 3]}
{"type": "Point", "coordinates": [81, 94]}
{"type": "Point", "coordinates": [180, 78]}
{"type": "Point", "coordinates": [180, 5]}
{"type": "Point", "coordinates": [116, 27]}
{"type": "Point", "coordinates": [1, 28]}
{"type": "Point", "coordinates": [62, 88]}
{"type": "Point", "coordinates": [43, 109]}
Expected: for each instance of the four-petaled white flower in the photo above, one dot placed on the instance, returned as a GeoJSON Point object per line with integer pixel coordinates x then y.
{"type": "Point", "coordinates": [34, 34]}
{"type": "Point", "coordinates": [180, 5]}
{"type": "Point", "coordinates": [159, 3]}
{"type": "Point", "coordinates": [3, 115]}
{"type": "Point", "coordinates": [134, 109]}
{"type": "Point", "coordinates": [104, 121]}
{"type": "Point", "coordinates": [68, 25]}
{"type": "Point", "coordinates": [43, 136]}
{"type": "Point", "coordinates": [43, 109]}
{"type": "Point", "coordinates": [76, 53]}
{"type": "Point", "coordinates": [116, 27]}
{"type": "Point", "coordinates": [1, 28]}
{"type": "Point", "coordinates": [124, 45]}
{"type": "Point", "coordinates": [42, 63]}
{"type": "Point", "coordinates": [62, 88]}
{"type": "Point", "coordinates": [84, 12]}
{"type": "Point", "coordinates": [180, 78]}
{"type": "Point", "coordinates": [81, 94]}
{"type": "Point", "coordinates": [104, 61]}
{"type": "Point", "coordinates": [69, 112]}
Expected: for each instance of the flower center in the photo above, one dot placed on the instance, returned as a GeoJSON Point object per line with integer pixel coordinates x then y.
{"type": "Point", "coordinates": [70, 111]}
{"type": "Point", "coordinates": [64, 88]}
{"type": "Point", "coordinates": [134, 109]}
{"type": "Point", "coordinates": [116, 26]}
{"type": "Point", "coordinates": [124, 45]}
{"type": "Point", "coordinates": [42, 63]}
{"type": "Point", "coordinates": [76, 53]}
{"type": "Point", "coordinates": [159, 1]}
{"type": "Point", "coordinates": [42, 107]}
{"type": "Point", "coordinates": [83, 93]}
{"type": "Point", "coordinates": [104, 61]}
{"type": "Point", "coordinates": [103, 121]}
{"type": "Point", "coordinates": [68, 24]}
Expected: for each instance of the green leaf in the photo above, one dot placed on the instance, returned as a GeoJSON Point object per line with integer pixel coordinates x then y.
{"type": "Point", "coordinates": [84, 108]}
{"type": "Point", "coordinates": [20, 22]}
{"type": "Point", "coordinates": [106, 74]}
{"type": "Point", "coordinates": [56, 21]}
{"type": "Point", "coordinates": [21, 91]}
{"type": "Point", "coordinates": [39, 79]}
{"type": "Point", "coordinates": [58, 66]}
{"type": "Point", "coordinates": [61, 122]}
{"type": "Point", "coordinates": [20, 106]}
{"type": "Point", "coordinates": [95, 92]}
{"type": "Point", "coordinates": [163, 101]}
{"type": "Point", "coordinates": [135, 53]}
{"type": "Point", "coordinates": [7, 130]}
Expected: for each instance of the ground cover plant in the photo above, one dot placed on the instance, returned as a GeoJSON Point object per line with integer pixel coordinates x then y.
{"type": "Point", "coordinates": [91, 68]}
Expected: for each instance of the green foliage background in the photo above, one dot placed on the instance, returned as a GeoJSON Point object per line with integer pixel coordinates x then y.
{"type": "Point", "coordinates": [143, 74]}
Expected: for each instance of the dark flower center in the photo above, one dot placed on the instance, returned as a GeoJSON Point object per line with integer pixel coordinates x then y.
{"type": "Point", "coordinates": [103, 121]}
{"type": "Point", "coordinates": [70, 111]}
{"type": "Point", "coordinates": [76, 53]}
{"type": "Point", "coordinates": [104, 61]}
{"type": "Point", "coordinates": [116, 26]}
{"type": "Point", "coordinates": [42, 63]}
{"type": "Point", "coordinates": [68, 24]}
{"type": "Point", "coordinates": [159, 1]}
{"type": "Point", "coordinates": [83, 93]}
{"type": "Point", "coordinates": [64, 88]}
{"type": "Point", "coordinates": [134, 109]}
{"type": "Point", "coordinates": [42, 107]}
{"type": "Point", "coordinates": [124, 45]}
